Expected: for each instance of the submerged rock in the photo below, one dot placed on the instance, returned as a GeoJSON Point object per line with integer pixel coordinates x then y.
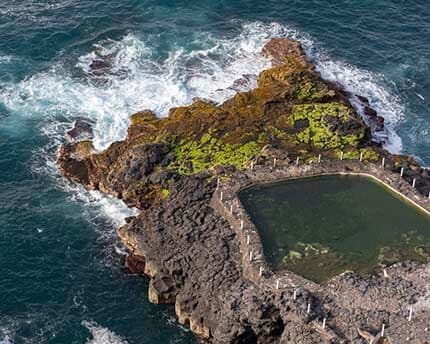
{"type": "Point", "coordinates": [99, 66]}
{"type": "Point", "coordinates": [389, 255]}
{"type": "Point", "coordinates": [82, 130]}
{"type": "Point", "coordinates": [292, 257]}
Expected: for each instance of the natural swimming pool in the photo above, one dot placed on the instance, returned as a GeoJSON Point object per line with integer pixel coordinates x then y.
{"type": "Point", "coordinates": [321, 226]}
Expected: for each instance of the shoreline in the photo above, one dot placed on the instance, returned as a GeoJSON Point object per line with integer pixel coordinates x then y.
{"type": "Point", "coordinates": [191, 245]}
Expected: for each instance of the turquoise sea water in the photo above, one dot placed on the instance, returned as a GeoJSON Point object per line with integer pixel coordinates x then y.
{"type": "Point", "coordinates": [61, 279]}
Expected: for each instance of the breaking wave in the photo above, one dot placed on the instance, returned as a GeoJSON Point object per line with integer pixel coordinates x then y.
{"type": "Point", "coordinates": [101, 335]}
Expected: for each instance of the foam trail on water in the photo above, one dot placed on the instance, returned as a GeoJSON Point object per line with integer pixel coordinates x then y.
{"type": "Point", "coordinates": [101, 335]}
{"type": "Point", "coordinates": [100, 206]}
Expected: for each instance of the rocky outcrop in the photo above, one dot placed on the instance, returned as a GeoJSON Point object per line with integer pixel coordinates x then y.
{"type": "Point", "coordinates": [168, 168]}
{"type": "Point", "coordinates": [82, 130]}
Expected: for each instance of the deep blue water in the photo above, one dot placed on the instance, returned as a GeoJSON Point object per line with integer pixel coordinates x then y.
{"type": "Point", "coordinates": [60, 280]}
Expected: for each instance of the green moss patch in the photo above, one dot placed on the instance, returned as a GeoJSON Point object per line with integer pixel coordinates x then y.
{"type": "Point", "coordinates": [165, 193]}
{"type": "Point", "coordinates": [313, 91]}
{"type": "Point", "coordinates": [324, 120]}
{"type": "Point", "coordinates": [192, 156]}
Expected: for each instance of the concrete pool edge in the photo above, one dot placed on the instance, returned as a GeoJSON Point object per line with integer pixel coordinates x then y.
{"type": "Point", "coordinates": [226, 202]}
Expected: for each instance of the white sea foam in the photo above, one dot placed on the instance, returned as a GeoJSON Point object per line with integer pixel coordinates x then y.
{"type": "Point", "coordinates": [107, 206]}
{"type": "Point", "coordinates": [100, 206]}
{"type": "Point", "coordinates": [5, 338]}
{"type": "Point", "coordinates": [6, 331]}
{"type": "Point", "coordinates": [5, 59]}
{"type": "Point", "coordinates": [101, 335]}
{"type": "Point", "coordinates": [107, 214]}
{"type": "Point", "coordinates": [136, 80]}
{"type": "Point", "coordinates": [34, 11]}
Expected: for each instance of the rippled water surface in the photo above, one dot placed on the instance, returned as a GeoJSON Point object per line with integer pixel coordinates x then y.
{"type": "Point", "coordinates": [61, 280]}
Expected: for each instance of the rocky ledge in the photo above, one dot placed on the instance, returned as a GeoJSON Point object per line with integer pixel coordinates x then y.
{"type": "Point", "coordinates": [187, 244]}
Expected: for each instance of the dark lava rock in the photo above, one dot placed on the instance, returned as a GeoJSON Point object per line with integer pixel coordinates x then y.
{"type": "Point", "coordinates": [82, 130]}
{"type": "Point", "coordinates": [99, 64]}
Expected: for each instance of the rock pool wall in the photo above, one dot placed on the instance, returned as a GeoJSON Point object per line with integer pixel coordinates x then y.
{"type": "Point", "coordinates": [380, 292]}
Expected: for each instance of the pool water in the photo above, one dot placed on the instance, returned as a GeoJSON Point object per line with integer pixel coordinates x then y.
{"type": "Point", "coordinates": [321, 226]}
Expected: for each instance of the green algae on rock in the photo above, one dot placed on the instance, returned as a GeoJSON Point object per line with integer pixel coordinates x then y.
{"type": "Point", "coordinates": [198, 156]}
{"type": "Point", "coordinates": [328, 125]}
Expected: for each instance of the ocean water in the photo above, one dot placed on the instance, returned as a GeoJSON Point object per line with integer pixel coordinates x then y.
{"type": "Point", "coordinates": [61, 277]}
